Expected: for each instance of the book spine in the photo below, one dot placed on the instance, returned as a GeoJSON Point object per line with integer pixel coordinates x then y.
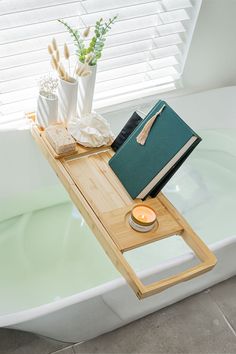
{"type": "Point", "coordinates": [139, 128]}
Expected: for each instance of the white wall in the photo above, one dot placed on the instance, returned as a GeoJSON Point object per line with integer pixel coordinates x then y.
{"type": "Point", "coordinates": [211, 61]}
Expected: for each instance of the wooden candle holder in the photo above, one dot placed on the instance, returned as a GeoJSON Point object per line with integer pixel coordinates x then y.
{"type": "Point", "coordinates": [105, 206]}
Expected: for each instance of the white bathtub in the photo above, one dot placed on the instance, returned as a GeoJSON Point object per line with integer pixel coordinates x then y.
{"type": "Point", "coordinates": [55, 278]}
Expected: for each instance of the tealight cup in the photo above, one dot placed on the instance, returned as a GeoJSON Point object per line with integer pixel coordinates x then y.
{"type": "Point", "coordinates": [142, 218]}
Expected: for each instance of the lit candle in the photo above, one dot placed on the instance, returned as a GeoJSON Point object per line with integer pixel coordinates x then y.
{"type": "Point", "coordinates": [142, 218]}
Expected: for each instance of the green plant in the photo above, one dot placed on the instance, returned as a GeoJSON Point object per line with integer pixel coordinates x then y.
{"type": "Point", "coordinates": [93, 52]}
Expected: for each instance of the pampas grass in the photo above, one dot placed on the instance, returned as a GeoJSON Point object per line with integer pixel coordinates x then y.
{"type": "Point", "coordinates": [86, 32]}
{"type": "Point", "coordinates": [57, 53]}
{"type": "Point", "coordinates": [54, 44]}
{"type": "Point", "coordinates": [66, 52]}
{"type": "Point", "coordinates": [89, 58]}
{"type": "Point", "coordinates": [61, 71]}
{"type": "Point", "coordinates": [86, 73]}
{"type": "Point", "coordinates": [83, 70]}
{"type": "Point", "coordinates": [56, 61]}
{"type": "Point", "coordinates": [79, 70]}
{"type": "Point", "coordinates": [67, 55]}
{"type": "Point", "coordinates": [50, 50]}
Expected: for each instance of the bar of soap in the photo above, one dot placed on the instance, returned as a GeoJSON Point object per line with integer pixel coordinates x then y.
{"type": "Point", "coordinates": [60, 139]}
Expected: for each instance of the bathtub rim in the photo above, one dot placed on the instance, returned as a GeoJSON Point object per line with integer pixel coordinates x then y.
{"type": "Point", "coordinates": [14, 318]}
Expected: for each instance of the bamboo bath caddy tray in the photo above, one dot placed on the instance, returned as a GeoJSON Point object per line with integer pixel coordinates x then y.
{"type": "Point", "coordinates": [105, 205]}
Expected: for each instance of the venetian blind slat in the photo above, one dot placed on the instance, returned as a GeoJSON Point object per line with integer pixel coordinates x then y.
{"type": "Point", "coordinates": [145, 50]}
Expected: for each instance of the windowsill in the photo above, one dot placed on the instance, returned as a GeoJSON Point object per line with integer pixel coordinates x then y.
{"type": "Point", "coordinates": [137, 100]}
{"type": "Point", "coordinates": [111, 111]}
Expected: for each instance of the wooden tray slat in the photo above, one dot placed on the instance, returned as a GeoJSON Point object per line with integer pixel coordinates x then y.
{"type": "Point", "coordinates": [93, 175]}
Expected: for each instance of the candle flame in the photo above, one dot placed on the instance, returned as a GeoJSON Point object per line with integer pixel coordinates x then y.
{"type": "Point", "coordinates": [143, 214]}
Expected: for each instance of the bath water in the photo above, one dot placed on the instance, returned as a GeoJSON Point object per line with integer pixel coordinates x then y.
{"type": "Point", "coordinates": [51, 253]}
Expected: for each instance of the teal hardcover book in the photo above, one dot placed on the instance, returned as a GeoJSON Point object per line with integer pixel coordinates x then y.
{"type": "Point", "coordinates": [144, 167]}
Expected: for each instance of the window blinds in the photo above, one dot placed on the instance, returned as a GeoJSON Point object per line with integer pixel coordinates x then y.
{"type": "Point", "coordinates": [144, 52]}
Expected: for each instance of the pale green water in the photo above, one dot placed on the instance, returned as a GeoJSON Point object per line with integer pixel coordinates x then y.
{"type": "Point", "coordinates": [49, 254]}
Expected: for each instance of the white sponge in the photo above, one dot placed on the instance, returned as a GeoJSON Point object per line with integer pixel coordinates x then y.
{"type": "Point", "coordinates": [60, 139]}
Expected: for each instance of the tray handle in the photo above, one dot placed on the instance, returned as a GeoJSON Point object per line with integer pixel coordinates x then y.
{"type": "Point", "coordinates": [201, 250]}
{"type": "Point", "coordinates": [157, 287]}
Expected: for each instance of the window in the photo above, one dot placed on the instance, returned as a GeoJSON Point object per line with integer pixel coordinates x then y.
{"type": "Point", "coordinates": [144, 54]}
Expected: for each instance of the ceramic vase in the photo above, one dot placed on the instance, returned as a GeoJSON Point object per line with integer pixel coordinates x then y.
{"type": "Point", "coordinates": [47, 110]}
{"type": "Point", "coordinates": [67, 95]}
{"type": "Point", "coordinates": [86, 92]}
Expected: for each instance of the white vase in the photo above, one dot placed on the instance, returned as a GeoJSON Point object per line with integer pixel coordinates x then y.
{"type": "Point", "coordinates": [47, 110]}
{"type": "Point", "coordinates": [67, 95]}
{"type": "Point", "coordinates": [86, 91]}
